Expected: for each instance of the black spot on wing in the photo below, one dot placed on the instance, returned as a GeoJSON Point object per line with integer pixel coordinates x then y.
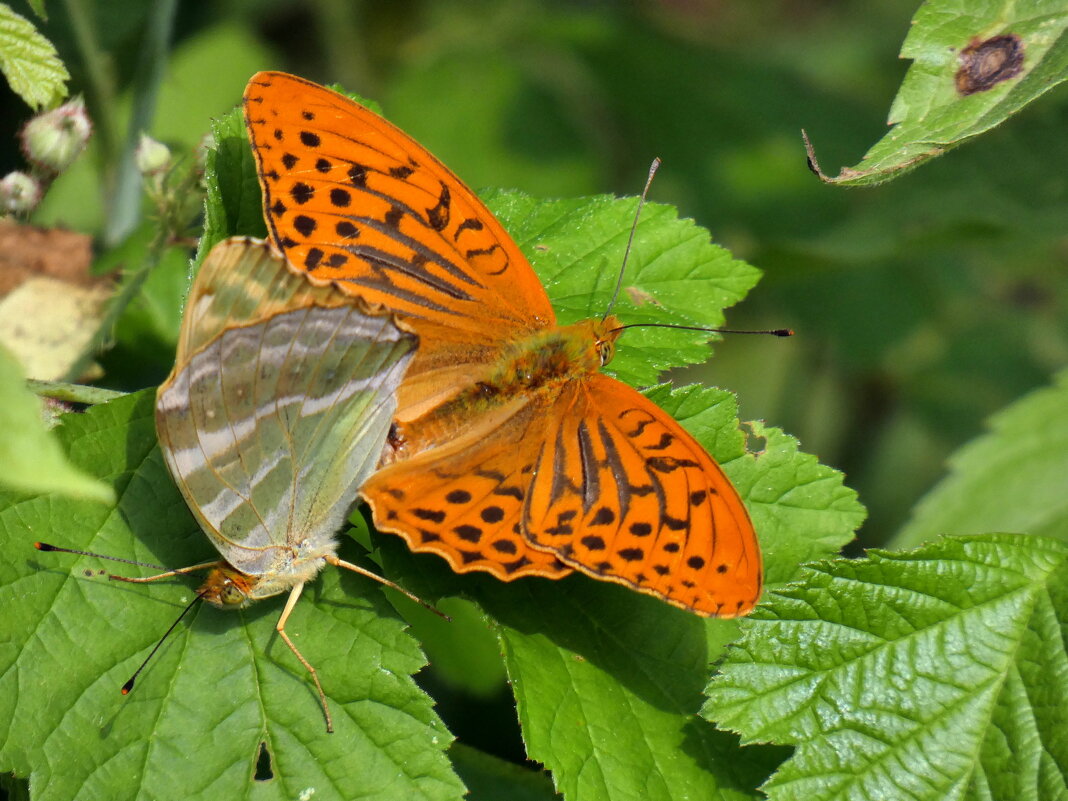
{"type": "Point", "coordinates": [358, 175]}
{"type": "Point", "coordinates": [665, 440]}
{"type": "Point", "coordinates": [301, 192]}
{"type": "Point", "coordinates": [346, 230]}
{"type": "Point", "coordinates": [603, 517]}
{"type": "Point", "coordinates": [668, 464]}
{"type": "Point", "coordinates": [492, 514]}
{"type": "Point", "coordinates": [305, 225]}
{"type": "Point", "coordinates": [470, 224]}
{"type": "Point", "coordinates": [468, 532]}
{"type": "Point", "coordinates": [435, 515]}
{"type": "Point", "coordinates": [393, 217]}
{"type": "Point", "coordinates": [438, 216]}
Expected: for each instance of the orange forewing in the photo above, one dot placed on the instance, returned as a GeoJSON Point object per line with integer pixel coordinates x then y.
{"type": "Point", "coordinates": [354, 201]}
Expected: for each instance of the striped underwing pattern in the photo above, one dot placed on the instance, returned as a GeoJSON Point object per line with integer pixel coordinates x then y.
{"type": "Point", "coordinates": [276, 412]}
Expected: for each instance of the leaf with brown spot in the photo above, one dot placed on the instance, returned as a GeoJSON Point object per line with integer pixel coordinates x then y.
{"type": "Point", "coordinates": [972, 70]}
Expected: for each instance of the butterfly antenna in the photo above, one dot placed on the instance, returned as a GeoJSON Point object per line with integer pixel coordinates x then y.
{"type": "Point", "coordinates": [44, 546]}
{"type": "Point", "coordinates": [128, 686]}
{"type": "Point", "coordinates": [630, 241]}
{"type": "Point", "coordinates": [775, 332]}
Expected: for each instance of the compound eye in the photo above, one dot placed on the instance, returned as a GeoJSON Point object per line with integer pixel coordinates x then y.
{"type": "Point", "coordinates": [231, 595]}
{"type": "Point", "coordinates": [605, 350]}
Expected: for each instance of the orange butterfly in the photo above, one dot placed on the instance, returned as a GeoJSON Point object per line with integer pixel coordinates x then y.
{"type": "Point", "coordinates": [512, 454]}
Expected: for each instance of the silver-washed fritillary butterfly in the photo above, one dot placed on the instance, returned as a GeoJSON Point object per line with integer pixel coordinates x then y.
{"type": "Point", "coordinates": [277, 409]}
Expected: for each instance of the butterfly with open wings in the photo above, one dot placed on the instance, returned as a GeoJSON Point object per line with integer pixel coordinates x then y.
{"type": "Point", "coordinates": [512, 452]}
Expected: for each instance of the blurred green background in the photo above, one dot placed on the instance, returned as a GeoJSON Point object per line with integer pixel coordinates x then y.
{"type": "Point", "coordinates": [921, 306]}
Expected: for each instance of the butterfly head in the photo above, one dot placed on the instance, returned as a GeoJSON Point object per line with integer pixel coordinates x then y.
{"type": "Point", "coordinates": [227, 588]}
{"type": "Point", "coordinates": [605, 333]}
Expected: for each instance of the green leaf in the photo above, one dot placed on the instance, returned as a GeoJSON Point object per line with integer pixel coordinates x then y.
{"type": "Point", "coordinates": [221, 685]}
{"type": "Point", "coordinates": [607, 683]}
{"type": "Point", "coordinates": [506, 133]}
{"type": "Point", "coordinates": [938, 673]}
{"type": "Point", "coordinates": [463, 650]}
{"type": "Point", "coordinates": [974, 66]}
{"type": "Point", "coordinates": [145, 333]}
{"type": "Point", "coordinates": [30, 62]}
{"type": "Point", "coordinates": [1011, 479]}
{"type": "Point", "coordinates": [233, 206]}
{"type": "Point", "coordinates": [489, 778]}
{"type": "Point", "coordinates": [32, 458]}
{"type": "Point", "coordinates": [72, 393]}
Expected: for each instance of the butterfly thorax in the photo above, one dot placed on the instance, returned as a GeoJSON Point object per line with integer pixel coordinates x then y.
{"type": "Point", "coordinates": [229, 588]}
{"type": "Point", "coordinates": [543, 361]}
{"type": "Point", "coordinates": [533, 370]}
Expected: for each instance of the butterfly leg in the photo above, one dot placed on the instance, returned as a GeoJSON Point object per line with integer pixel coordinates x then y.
{"type": "Point", "coordinates": [294, 596]}
{"type": "Point", "coordinates": [333, 560]}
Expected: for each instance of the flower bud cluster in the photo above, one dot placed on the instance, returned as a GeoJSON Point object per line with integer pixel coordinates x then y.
{"type": "Point", "coordinates": [51, 142]}
{"type": "Point", "coordinates": [175, 186]}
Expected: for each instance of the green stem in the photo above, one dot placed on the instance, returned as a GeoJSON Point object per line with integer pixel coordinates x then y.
{"type": "Point", "coordinates": [100, 86]}
{"type": "Point", "coordinates": [125, 206]}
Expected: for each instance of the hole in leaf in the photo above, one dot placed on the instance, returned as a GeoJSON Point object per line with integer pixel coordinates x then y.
{"type": "Point", "coordinates": [754, 443]}
{"type": "Point", "coordinates": [264, 771]}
